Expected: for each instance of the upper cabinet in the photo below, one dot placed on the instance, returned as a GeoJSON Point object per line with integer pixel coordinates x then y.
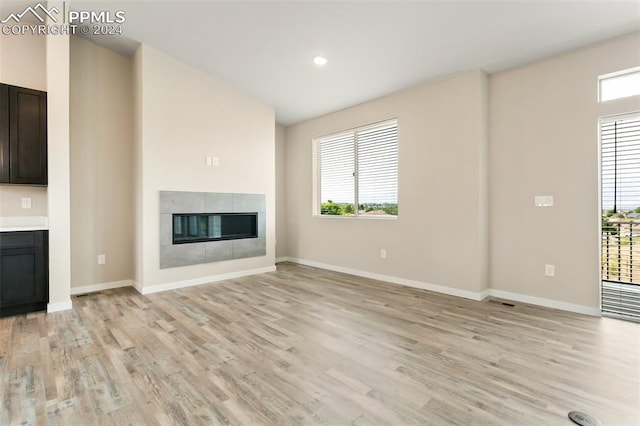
{"type": "Point", "coordinates": [23, 136]}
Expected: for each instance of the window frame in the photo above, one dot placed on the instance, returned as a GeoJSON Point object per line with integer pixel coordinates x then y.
{"type": "Point", "coordinates": [607, 309]}
{"type": "Point", "coordinates": [601, 78]}
{"type": "Point", "coordinates": [317, 202]}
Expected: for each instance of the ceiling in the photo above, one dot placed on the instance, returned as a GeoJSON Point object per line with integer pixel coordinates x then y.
{"type": "Point", "coordinates": [374, 48]}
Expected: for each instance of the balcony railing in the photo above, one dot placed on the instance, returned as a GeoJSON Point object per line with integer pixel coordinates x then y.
{"type": "Point", "coordinates": [621, 251]}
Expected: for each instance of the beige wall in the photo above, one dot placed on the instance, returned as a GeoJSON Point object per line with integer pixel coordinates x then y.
{"type": "Point", "coordinates": [440, 236]}
{"type": "Point", "coordinates": [544, 124]}
{"type": "Point", "coordinates": [23, 63]}
{"type": "Point", "coordinates": [185, 116]}
{"type": "Point", "coordinates": [281, 196]}
{"type": "Point", "coordinates": [101, 164]}
{"type": "Point", "coordinates": [11, 200]}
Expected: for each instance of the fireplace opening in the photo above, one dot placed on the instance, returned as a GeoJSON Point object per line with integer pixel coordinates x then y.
{"type": "Point", "coordinates": [200, 227]}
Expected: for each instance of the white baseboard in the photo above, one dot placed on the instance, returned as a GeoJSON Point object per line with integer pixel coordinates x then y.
{"type": "Point", "coordinates": [402, 281]}
{"type": "Point", "coordinates": [92, 288]}
{"type": "Point", "coordinates": [478, 296]}
{"type": "Point", "coordinates": [547, 303]}
{"type": "Point", "coordinates": [202, 280]}
{"type": "Point", "coordinates": [59, 306]}
{"type": "Point", "coordinates": [281, 259]}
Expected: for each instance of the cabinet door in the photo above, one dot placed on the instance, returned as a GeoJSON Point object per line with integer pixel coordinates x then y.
{"type": "Point", "coordinates": [27, 136]}
{"type": "Point", "coordinates": [21, 276]}
{"type": "Point", "coordinates": [23, 268]}
{"type": "Point", "coordinates": [4, 134]}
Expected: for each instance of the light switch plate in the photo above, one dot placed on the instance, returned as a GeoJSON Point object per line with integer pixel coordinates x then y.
{"type": "Point", "coordinates": [26, 203]}
{"type": "Point", "coordinates": [550, 270]}
{"type": "Point", "coordinates": [543, 200]}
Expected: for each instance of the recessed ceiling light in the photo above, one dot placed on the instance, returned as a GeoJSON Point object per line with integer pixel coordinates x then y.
{"type": "Point", "coordinates": [320, 60]}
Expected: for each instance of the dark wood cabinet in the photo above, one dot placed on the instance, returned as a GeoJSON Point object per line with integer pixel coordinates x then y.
{"type": "Point", "coordinates": [24, 272]}
{"type": "Point", "coordinates": [23, 135]}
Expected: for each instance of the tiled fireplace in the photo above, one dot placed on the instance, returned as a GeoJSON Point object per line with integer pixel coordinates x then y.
{"type": "Point", "coordinates": [203, 227]}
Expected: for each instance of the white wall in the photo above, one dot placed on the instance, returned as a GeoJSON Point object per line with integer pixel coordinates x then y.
{"type": "Point", "coordinates": [23, 63]}
{"type": "Point", "coordinates": [281, 196]}
{"type": "Point", "coordinates": [138, 165]}
{"type": "Point", "coordinates": [185, 115]}
{"type": "Point", "coordinates": [440, 236]}
{"type": "Point", "coordinates": [101, 164]}
{"type": "Point", "coordinates": [544, 141]}
{"type": "Point", "coordinates": [58, 191]}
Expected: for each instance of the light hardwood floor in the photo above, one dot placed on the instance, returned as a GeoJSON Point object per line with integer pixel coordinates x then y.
{"type": "Point", "coordinates": [308, 346]}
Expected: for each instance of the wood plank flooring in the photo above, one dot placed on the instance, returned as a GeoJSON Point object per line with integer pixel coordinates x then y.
{"type": "Point", "coordinates": [308, 346]}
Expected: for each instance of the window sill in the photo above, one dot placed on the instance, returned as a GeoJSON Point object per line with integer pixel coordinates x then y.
{"type": "Point", "coordinates": [335, 216]}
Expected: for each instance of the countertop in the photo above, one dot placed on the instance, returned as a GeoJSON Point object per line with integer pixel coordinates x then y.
{"type": "Point", "coordinates": [24, 223]}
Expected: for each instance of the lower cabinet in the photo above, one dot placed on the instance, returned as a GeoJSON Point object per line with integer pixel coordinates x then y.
{"type": "Point", "coordinates": [24, 272]}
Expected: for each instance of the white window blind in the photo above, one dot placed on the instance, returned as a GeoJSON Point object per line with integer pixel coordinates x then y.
{"type": "Point", "coordinates": [620, 181]}
{"type": "Point", "coordinates": [357, 172]}
{"type": "Point", "coordinates": [337, 157]}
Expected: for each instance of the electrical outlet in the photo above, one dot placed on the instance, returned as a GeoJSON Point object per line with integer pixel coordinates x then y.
{"type": "Point", "coordinates": [543, 200]}
{"type": "Point", "coordinates": [26, 203]}
{"type": "Point", "coordinates": [102, 259]}
{"type": "Point", "coordinates": [550, 270]}
{"type": "Point", "coordinates": [383, 253]}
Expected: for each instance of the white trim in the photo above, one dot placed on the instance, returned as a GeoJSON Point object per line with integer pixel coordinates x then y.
{"type": "Point", "coordinates": [477, 296]}
{"type": "Point", "coordinates": [59, 306]}
{"type": "Point", "coordinates": [603, 77]}
{"type": "Point", "coordinates": [360, 217]}
{"type": "Point", "coordinates": [92, 288]}
{"type": "Point", "coordinates": [202, 280]}
{"type": "Point", "coordinates": [137, 286]}
{"type": "Point", "coordinates": [281, 259]}
{"type": "Point", "coordinates": [631, 115]}
{"type": "Point", "coordinates": [547, 303]}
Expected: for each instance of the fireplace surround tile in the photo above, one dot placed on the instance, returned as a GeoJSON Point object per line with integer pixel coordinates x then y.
{"type": "Point", "coordinates": [249, 203]}
{"type": "Point", "coordinates": [249, 248]}
{"type": "Point", "coordinates": [182, 255]}
{"type": "Point", "coordinates": [181, 202]}
{"type": "Point", "coordinates": [262, 226]}
{"type": "Point", "coordinates": [166, 229]}
{"type": "Point", "coordinates": [176, 202]}
{"type": "Point", "coordinates": [217, 251]}
{"type": "Point", "coordinates": [218, 202]}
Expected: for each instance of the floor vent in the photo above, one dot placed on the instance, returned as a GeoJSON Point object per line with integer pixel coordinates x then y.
{"type": "Point", "coordinates": [499, 302]}
{"type": "Point", "coordinates": [87, 294]}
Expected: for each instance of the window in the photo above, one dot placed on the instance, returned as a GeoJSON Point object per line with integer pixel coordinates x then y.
{"type": "Point", "coordinates": [356, 172]}
{"type": "Point", "coordinates": [619, 84]}
{"type": "Point", "coordinates": [620, 192]}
